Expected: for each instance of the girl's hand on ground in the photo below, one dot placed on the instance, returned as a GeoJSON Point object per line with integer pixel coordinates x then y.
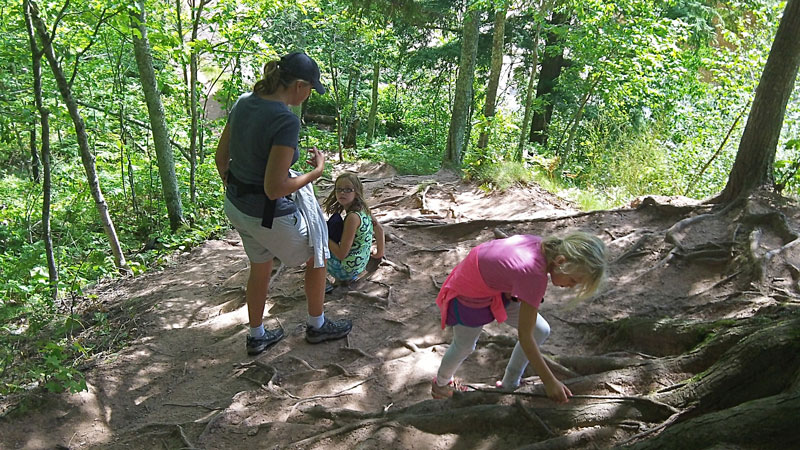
{"type": "Point", "coordinates": [558, 392]}
{"type": "Point", "coordinates": [373, 264]}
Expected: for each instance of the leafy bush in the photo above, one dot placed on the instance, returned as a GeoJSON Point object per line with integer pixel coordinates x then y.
{"type": "Point", "coordinates": [500, 175]}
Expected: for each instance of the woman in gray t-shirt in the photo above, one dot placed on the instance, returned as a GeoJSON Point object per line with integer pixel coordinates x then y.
{"type": "Point", "coordinates": [254, 154]}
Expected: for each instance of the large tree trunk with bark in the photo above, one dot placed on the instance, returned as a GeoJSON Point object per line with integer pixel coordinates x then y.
{"type": "Point", "coordinates": [158, 123]}
{"type": "Point", "coordinates": [83, 140]}
{"type": "Point", "coordinates": [552, 63]}
{"type": "Point", "coordinates": [494, 75]}
{"type": "Point", "coordinates": [457, 133]}
{"type": "Point", "coordinates": [756, 156]}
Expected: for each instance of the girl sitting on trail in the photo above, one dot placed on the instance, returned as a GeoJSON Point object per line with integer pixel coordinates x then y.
{"type": "Point", "coordinates": [350, 239]}
{"type": "Point", "coordinates": [505, 280]}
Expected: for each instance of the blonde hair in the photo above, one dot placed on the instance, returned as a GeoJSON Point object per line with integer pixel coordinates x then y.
{"type": "Point", "coordinates": [332, 206]}
{"type": "Point", "coordinates": [585, 256]}
{"type": "Point", "coordinates": [273, 78]}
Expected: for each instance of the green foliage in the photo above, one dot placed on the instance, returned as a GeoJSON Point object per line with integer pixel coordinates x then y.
{"type": "Point", "coordinates": [787, 169]}
{"type": "Point", "coordinates": [405, 154]}
{"type": "Point", "coordinates": [57, 371]}
{"type": "Point", "coordinates": [500, 175]}
{"type": "Point", "coordinates": [321, 104]}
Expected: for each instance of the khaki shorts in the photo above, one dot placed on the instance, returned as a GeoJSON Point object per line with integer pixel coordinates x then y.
{"type": "Point", "coordinates": [287, 240]}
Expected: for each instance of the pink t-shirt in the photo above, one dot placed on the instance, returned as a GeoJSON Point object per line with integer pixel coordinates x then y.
{"type": "Point", "coordinates": [515, 265]}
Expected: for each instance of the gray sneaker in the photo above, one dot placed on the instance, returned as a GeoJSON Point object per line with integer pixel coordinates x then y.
{"type": "Point", "coordinates": [330, 330]}
{"type": "Point", "coordinates": [258, 345]}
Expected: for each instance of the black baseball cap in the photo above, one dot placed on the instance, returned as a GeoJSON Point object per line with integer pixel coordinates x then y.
{"type": "Point", "coordinates": [303, 67]}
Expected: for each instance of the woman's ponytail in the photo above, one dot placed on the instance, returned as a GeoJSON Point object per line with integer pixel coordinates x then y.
{"type": "Point", "coordinates": [273, 77]}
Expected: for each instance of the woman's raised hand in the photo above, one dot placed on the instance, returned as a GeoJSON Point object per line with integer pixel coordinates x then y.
{"type": "Point", "coordinates": [316, 158]}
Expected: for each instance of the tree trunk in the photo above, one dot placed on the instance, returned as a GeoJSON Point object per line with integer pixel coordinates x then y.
{"type": "Point", "coordinates": [197, 13]}
{"type": "Point", "coordinates": [35, 162]}
{"type": "Point", "coordinates": [184, 70]}
{"type": "Point", "coordinates": [166, 161]}
{"type": "Point", "coordinates": [83, 140]}
{"type": "Point", "coordinates": [457, 135]}
{"type": "Point", "coordinates": [526, 120]}
{"type": "Point", "coordinates": [44, 115]}
{"type": "Point", "coordinates": [337, 102]}
{"type": "Point", "coordinates": [373, 107]}
{"type": "Point", "coordinates": [552, 63]}
{"type": "Point", "coordinates": [494, 75]}
{"type": "Point", "coordinates": [353, 119]}
{"type": "Point", "coordinates": [569, 131]}
{"type": "Point", "coordinates": [352, 133]}
{"type": "Point", "coordinates": [756, 156]}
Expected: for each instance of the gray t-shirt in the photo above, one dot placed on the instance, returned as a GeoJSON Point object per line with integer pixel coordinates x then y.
{"type": "Point", "coordinates": [256, 125]}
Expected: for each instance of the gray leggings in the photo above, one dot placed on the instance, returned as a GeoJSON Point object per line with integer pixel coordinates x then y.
{"type": "Point", "coordinates": [465, 338]}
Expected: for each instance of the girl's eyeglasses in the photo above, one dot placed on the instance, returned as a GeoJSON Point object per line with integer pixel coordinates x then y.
{"type": "Point", "coordinates": [345, 190]}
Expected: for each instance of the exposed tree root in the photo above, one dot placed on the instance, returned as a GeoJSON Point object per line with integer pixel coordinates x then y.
{"type": "Point", "coordinates": [665, 208]}
{"type": "Point", "coordinates": [407, 344]}
{"type": "Point", "coordinates": [318, 397]}
{"type": "Point", "coordinates": [633, 250]}
{"type": "Point", "coordinates": [771, 353]}
{"type": "Point", "coordinates": [423, 204]}
{"type": "Point", "coordinates": [558, 369]}
{"type": "Point", "coordinates": [341, 370]}
{"type": "Point", "coordinates": [499, 234]}
{"type": "Point", "coordinates": [193, 405]}
{"type": "Point", "coordinates": [305, 443]}
{"type": "Point", "coordinates": [672, 419]}
{"type": "Point", "coordinates": [358, 352]}
{"type": "Point", "coordinates": [573, 440]}
{"type": "Point", "coordinates": [477, 411]}
{"type": "Point", "coordinates": [185, 439]}
{"type": "Point", "coordinates": [596, 364]}
{"type": "Point", "coordinates": [421, 221]}
{"type": "Point", "coordinates": [391, 201]}
{"type": "Point", "coordinates": [269, 385]}
{"type": "Point", "coordinates": [534, 417]}
{"type": "Point", "coordinates": [305, 364]}
{"type": "Point", "coordinates": [389, 289]}
{"type": "Point", "coordinates": [438, 249]}
{"type": "Point", "coordinates": [769, 423]}
{"type": "Point", "coordinates": [436, 284]}
{"type": "Point", "coordinates": [404, 268]}
{"type": "Point", "coordinates": [372, 298]}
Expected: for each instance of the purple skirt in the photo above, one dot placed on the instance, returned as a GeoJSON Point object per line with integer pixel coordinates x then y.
{"type": "Point", "coordinates": [458, 314]}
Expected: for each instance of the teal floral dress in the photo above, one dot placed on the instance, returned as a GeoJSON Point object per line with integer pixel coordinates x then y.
{"type": "Point", "coordinates": [356, 260]}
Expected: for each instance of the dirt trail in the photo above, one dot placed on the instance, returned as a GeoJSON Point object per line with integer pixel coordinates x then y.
{"type": "Point", "coordinates": [185, 381]}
